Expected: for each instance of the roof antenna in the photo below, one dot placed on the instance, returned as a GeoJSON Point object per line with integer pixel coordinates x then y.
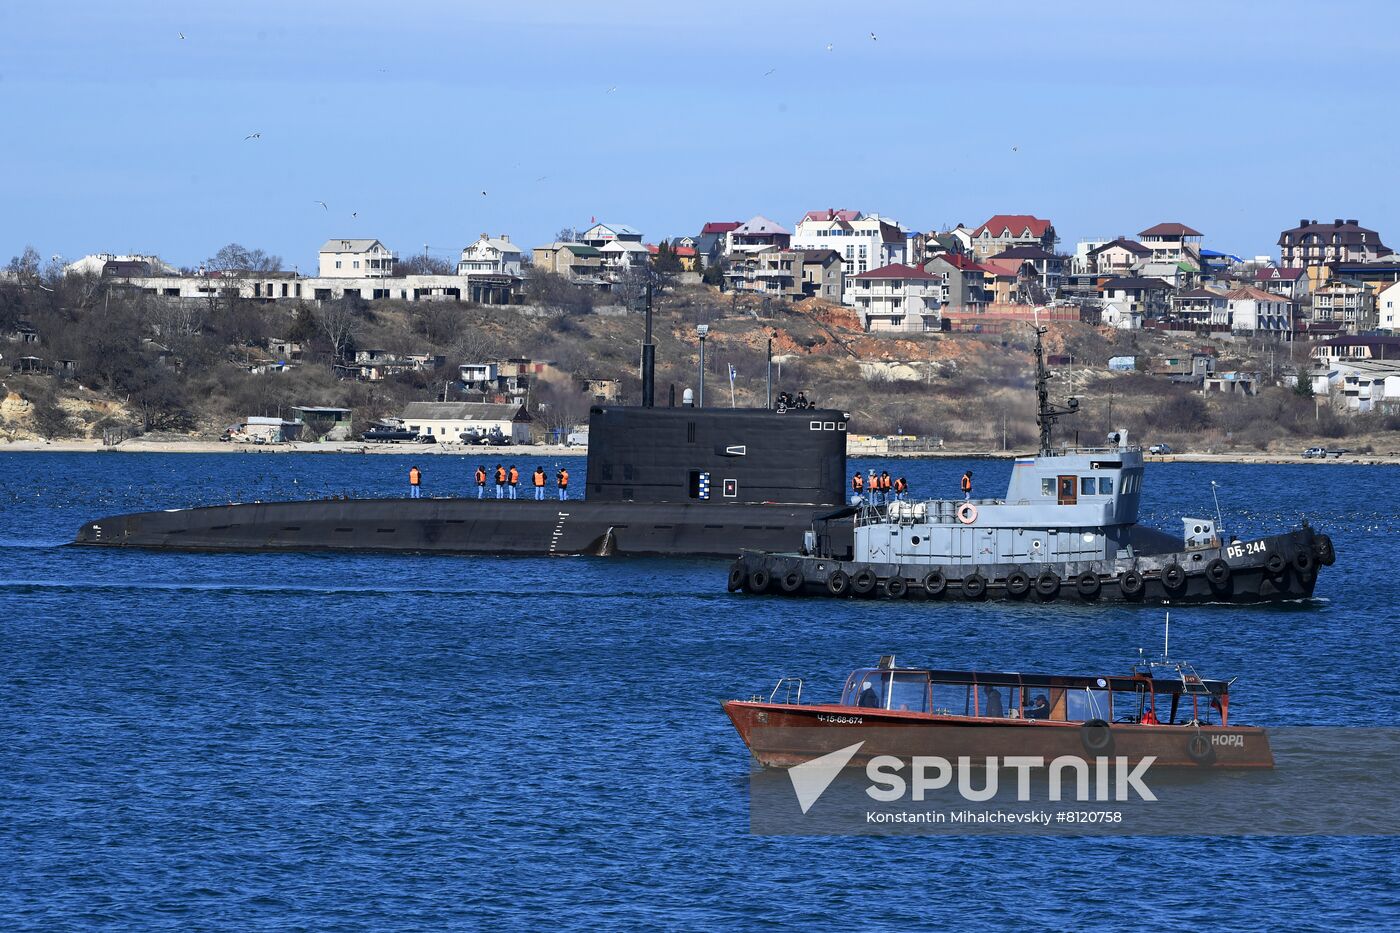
{"type": "Point", "coordinates": [1219, 523]}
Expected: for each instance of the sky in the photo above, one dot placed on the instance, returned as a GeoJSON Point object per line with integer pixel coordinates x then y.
{"type": "Point", "coordinates": [433, 122]}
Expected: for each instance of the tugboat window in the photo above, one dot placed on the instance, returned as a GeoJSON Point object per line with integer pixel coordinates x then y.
{"type": "Point", "coordinates": [1105, 485]}
{"type": "Point", "coordinates": [1088, 485]}
{"type": "Point", "coordinates": [1047, 487]}
{"type": "Point", "coordinates": [868, 689]}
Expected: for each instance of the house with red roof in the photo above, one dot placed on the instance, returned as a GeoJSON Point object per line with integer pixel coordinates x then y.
{"type": "Point", "coordinates": [863, 241]}
{"type": "Point", "coordinates": [1290, 282]}
{"type": "Point", "coordinates": [962, 282]}
{"type": "Point", "coordinates": [897, 298]}
{"type": "Point", "coordinates": [710, 244]}
{"type": "Point", "coordinates": [1006, 230]}
{"type": "Point", "coordinates": [1254, 311]}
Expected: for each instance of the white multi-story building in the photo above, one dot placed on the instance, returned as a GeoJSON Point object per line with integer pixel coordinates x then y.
{"type": "Point", "coordinates": [356, 259]}
{"type": "Point", "coordinates": [498, 256]}
{"type": "Point", "coordinates": [863, 241]}
{"type": "Point", "coordinates": [896, 297]}
{"type": "Point", "coordinates": [1259, 312]}
{"type": "Point", "coordinates": [1388, 307]}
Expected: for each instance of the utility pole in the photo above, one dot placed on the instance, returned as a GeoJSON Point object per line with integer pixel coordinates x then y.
{"type": "Point", "coordinates": [770, 373]}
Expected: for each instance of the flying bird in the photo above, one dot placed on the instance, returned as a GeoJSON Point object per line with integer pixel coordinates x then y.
{"type": "Point", "coordinates": [769, 72]}
{"type": "Point", "coordinates": [828, 46]}
{"type": "Point", "coordinates": [1015, 148]}
{"type": "Point", "coordinates": [252, 136]}
{"type": "Point", "coordinates": [611, 89]}
{"type": "Point", "coordinates": [354, 214]}
{"type": "Point", "coordinates": [323, 204]}
{"type": "Point", "coordinates": [874, 38]}
{"type": "Point", "coordinates": [542, 178]}
{"type": "Point", "coordinates": [483, 194]}
{"type": "Point", "coordinates": [182, 35]}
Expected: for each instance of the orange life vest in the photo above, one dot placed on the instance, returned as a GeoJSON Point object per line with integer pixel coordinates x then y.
{"type": "Point", "coordinates": [900, 485]}
{"type": "Point", "coordinates": [857, 482]}
{"type": "Point", "coordinates": [539, 477]}
{"type": "Point", "coordinates": [414, 477]}
{"type": "Point", "coordinates": [563, 479]}
{"type": "Point", "coordinates": [500, 476]}
{"type": "Point", "coordinates": [966, 483]}
{"type": "Point", "coordinates": [514, 476]}
{"type": "Point", "coordinates": [885, 483]}
{"type": "Point", "coordinates": [480, 476]}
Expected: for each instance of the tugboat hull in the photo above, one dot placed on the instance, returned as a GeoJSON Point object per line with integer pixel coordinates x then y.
{"type": "Point", "coordinates": [1271, 569]}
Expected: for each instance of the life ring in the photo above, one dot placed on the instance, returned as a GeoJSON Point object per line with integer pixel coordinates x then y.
{"type": "Point", "coordinates": [1018, 583]}
{"type": "Point", "coordinates": [1303, 560]}
{"type": "Point", "coordinates": [974, 586]}
{"type": "Point", "coordinates": [895, 588]}
{"type": "Point", "coordinates": [935, 584]}
{"type": "Point", "coordinates": [759, 580]}
{"type": "Point", "coordinates": [1097, 737]}
{"type": "Point", "coordinates": [1326, 553]}
{"type": "Point", "coordinates": [1218, 573]}
{"type": "Point", "coordinates": [1173, 577]}
{"type": "Point", "coordinates": [736, 577]}
{"type": "Point", "coordinates": [1087, 584]}
{"type": "Point", "coordinates": [1047, 585]}
{"type": "Point", "coordinates": [1200, 750]}
{"type": "Point", "coordinates": [967, 513]}
{"type": "Point", "coordinates": [1131, 583]}
{"type": "Point", "coordinates": [791, 582]}
{"type": "Point", "coordinates": [838, 583]}
{"type": "Point", "coordinates": [863, 582]}
{"type": "Point", "coordinates": [1275, 564]}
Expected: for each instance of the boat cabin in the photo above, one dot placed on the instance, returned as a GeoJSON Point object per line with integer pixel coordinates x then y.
{"type": "Point", "coordinates": [1142, 697]}
{"type": "Point", "coordinates": [1071, 504]}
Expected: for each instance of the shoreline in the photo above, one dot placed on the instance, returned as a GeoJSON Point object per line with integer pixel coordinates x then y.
{"type": "Point", "coordinates": [139, 446]}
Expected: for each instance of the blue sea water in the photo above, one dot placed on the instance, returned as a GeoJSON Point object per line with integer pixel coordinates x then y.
{"type": "Point", "coordinates": [382, 742]}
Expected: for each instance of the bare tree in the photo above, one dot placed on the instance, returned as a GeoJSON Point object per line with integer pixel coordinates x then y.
{"type": "Point", "coordinates": [424, 264]}
{"type": "Point", "coordinates": [338, 320]}
{"type": "Point", "coordinates": [236, 258]}
{"type": "Point", "coordinates": [566, 235]}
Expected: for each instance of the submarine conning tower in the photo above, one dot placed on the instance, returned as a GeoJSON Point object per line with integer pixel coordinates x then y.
{"type": "Point", "coordinates": [717, 456]}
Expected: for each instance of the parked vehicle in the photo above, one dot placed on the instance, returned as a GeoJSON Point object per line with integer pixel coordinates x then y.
{"type": "Point", "coordinates": [1160, 449]}
{"type": "Point", "coordinates": [1315, 453]}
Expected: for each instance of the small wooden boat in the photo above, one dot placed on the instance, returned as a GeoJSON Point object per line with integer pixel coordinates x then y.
{"type": "Point", "coordinates": [1163, 710]}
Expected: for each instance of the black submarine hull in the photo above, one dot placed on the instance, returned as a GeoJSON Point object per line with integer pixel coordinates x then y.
{"type": "Point", "coordinates": [463, 526]}
{"type": "Point", "coordinates": [1271, 569]}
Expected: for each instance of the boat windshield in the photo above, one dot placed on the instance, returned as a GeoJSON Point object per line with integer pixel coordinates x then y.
{"type": "Point", "coordinates": [905, 691]}
{"type": "Point", "coordinates": [1085, 704]}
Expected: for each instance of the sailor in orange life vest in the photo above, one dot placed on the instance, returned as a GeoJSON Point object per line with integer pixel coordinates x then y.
{"type": "Point", "coordinates": [857, 488]}
{"type": "Point", "coordinates": [1149, 718]}
{"type": "Point", "coordinates": [562, 478]}
{"type": "Point", "coordinates": [415, 483]}
{"type": "Point", "coordinates": [885, 486]}
{"type": "Point", "coordinates": [967, 485]}
{"type": "Point", "coordinates": [514, 480]}
{"type": "Point", "coordinates": [500, 481]}
{"type": "Point", "coordinates": [539, 481]}
{"type": "Point", "coordinates": [481, 482]}
{"type": "Point", "coordinates": [901, 488]}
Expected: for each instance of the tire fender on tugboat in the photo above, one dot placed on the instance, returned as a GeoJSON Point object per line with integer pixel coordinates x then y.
{"type": "Point", "coordinates": [839, 583]}
{"type": "Point", "coordinates": [791, 582]}
{"type": "Point", "coordinates": [1200, 750]}
{"type": "Point", "coordinates": [1097, 737]}
{"type": "Point", "coordinates": [1047, 584]}
{"type": "Point", "coordinates": [1173, 576]}
{"type": "Point", "coordinates": [1218, 573]}
{"type": "Point", "coordinates": [935, 583]}
{"type": "Point", "coordinates": [974, 586]}
{"type": "Point", "coordinates": [759, 580]}
{"type": "Point", "coordinates": [863, 583]}
{"type": "Point", "coordinates": [895, 587]}
{"type": "Point", "coordinates": [1087, 584]}
{"type": "Point", "coordinates": [1018, 583]}
{"type": "Point", "coordinates": [1131, 583]}
{"type": "Point", "coordinates": [737, 577]}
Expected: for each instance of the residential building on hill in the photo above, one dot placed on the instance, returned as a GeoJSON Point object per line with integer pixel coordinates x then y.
{"type": "Point", "coordinates": [1290, 282]}
{"type": "Point", "coordinates": [1049, 268]}
{"type": "Point", "coordinates": [488, 256]}
{"type": "Point", "coordinates": [962, 282]}
{"type": "Point", "coordinates": [896, 297]}
{"type": "Point", "coordinates": [1202, 307]}
{"type": "Point", "coordinates": [1313, 243]}
{"type": "Point", "coordinates": [713, 239]}
{"type": "Point", "coordinates": [756, 234]}
{"type": "Point", "coordinates": [1149, 297]}
{"type": "Point", "coordinates": [1117, 257]}
{"type": "Point", "coordinates": [863, 242]}
{"type": "Point", "coordinates": [1388, 308]}
{"type": "Point", "coordinates": [601, 235]}
{"type": "Point", "coordinates": [1253, 311]}
{"type": "Point", "coordinates": [1173, 242]}
{"type": "Point", "coordinates": [1345, 303]}
{"type": "Point", "coordinates": [1005, 230]}
{"type": "Point", "coordinates": [356, 259]}
{"type": "Point", "coordinates": [576, 261]}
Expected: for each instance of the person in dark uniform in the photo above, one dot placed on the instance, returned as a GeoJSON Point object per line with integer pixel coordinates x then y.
{"type": "Point", "coordinates": [1040, 708]}
{"type": "Point", "coordinates": [994, 707]}
{"type": "Point", "coordinates": [868, 696]}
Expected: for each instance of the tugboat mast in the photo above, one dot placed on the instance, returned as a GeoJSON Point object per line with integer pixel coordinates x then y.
{"type": "Point", "coordinates": [1047, 414]}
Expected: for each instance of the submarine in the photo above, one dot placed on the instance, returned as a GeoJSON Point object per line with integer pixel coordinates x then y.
{"type": "Point", "coordinates": [663, 481]}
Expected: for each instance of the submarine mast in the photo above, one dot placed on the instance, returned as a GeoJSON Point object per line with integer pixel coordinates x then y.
{"type": "Point", "coordinates": [648, 360]}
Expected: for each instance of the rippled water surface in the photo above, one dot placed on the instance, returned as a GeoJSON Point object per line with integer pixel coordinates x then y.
{"type": "Point", "coordinates": [341, 742]}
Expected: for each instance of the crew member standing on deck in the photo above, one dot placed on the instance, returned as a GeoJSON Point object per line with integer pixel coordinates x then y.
{"type": "Point", "coordinates": [857, 488]}
{"type": "Point", "coordinates": [481, 482]}
{"type": "Point", "coordinates": [514, 480]}
{"type": "Point", "coordinates": [539, 481]}
{"type": "Point", "coordinates": [562, 478]}
{"type": "Point", "coordinates": [967, 485]}
{"type": "Point", "coordinates": [873, 484]}
{"type": "Point", "coordinates": [415, 483]}
{"type": "Point", "coordinates": [900, 488]}
{"type": "Point", "coordinates": [500, 481]}
{"type": "Point", "coordinates": [885, 486]}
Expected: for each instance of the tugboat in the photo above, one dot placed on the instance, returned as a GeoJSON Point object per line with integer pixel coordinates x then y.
{"type": "Point", "coordinates": [1066, 529]}
{"type": "Point", "coordinates": [1162, 709]}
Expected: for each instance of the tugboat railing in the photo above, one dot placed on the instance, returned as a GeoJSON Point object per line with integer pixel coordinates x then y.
{"type": "Point", "coordinates": [789, 697]}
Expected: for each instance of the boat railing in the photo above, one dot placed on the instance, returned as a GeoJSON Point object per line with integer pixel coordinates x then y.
{"type": "Point", "coordinates": [1068, 451]}
{"type": "Point", "coordinates": [791, 688]}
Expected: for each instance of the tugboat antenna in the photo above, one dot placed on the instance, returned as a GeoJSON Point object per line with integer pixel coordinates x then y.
{"type": "Point", "coordinates": [1046, 414]}
{"type": "Point", "coordinates": [1167, 638]}
{"type": "Point", "coordinates": [1219, 522]}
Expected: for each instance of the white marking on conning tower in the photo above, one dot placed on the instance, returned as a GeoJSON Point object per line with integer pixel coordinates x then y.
{"type": "Point", "coordinates": [558, 532]}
